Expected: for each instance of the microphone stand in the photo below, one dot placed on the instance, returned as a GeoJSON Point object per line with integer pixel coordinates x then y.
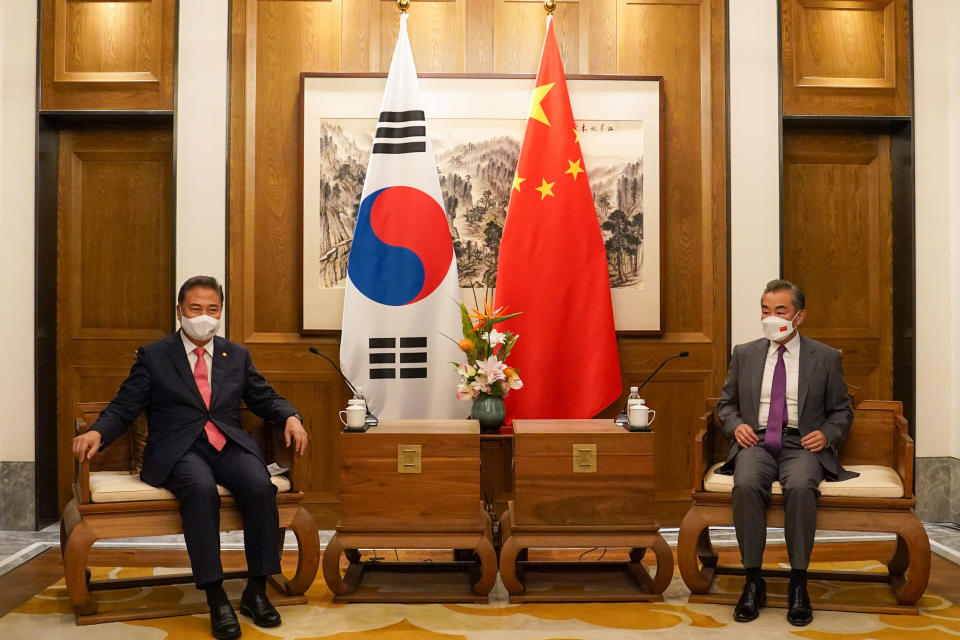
{"type": "Point", "coordinates": [622, 420]}
{"type": "Point", "coordinates": [370, 420]}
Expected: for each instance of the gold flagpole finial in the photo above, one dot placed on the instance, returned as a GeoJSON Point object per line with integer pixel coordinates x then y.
{"type": "Point", "coordinates": [550, 6]}
{"type": "Point", "coordinates": [403, 5]}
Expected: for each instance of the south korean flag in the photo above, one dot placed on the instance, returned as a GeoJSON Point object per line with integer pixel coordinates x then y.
{"type": "Point", "coordinates": [402, 288]}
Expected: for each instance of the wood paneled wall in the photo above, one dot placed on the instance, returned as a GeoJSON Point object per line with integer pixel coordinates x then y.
{"type": "Point", "coordinates": [114, 246]}
{"type": "Point", "coordinates": [846, 57]}
{"type": "Point", "coordinates": [273, 41]}
{"type": "Point", "coordinates": [107, 55]}
{"type": "Point", "coordinates": [838, 243]}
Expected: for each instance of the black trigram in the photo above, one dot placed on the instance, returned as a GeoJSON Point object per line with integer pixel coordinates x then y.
{"type": "Point", "coordinates": [401, 132]}
{"type": "Point", "coordinates": [384, 357]}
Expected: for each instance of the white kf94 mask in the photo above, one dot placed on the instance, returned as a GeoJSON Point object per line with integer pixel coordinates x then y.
{"type": "Point", "coordinates": [200, 328]}
{"type": "Point", "coordinates": [776, 328]}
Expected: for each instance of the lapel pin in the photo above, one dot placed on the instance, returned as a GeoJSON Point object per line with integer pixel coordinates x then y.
{"type": "Point", "coordinates": [224, 354]}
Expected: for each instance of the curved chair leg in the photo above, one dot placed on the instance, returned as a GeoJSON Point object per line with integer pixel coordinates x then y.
{"type": "Point", "coordinates": [488, 565]}
{"type": "Point", "coordinates": [693, 544]}
{"type": "Point", "coordinates": [305, 529]}
{"type": "Point", "coordinates": [508, 566]}
{"type": "Point", "coordinates": [331, 566]}
{"type": "Point", "coordinates": [900, 560]}
{"type": "Point", "coordinates": [908, 590]}
{"type": "Point", "coordinates": [75, 569]}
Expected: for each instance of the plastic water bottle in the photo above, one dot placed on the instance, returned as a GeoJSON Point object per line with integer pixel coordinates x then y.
{"type": "Point", "coordinates": [634, 397]}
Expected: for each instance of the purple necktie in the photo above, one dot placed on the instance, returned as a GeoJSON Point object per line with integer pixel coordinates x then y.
{"type": "Point", "coordinates": [778, 406]}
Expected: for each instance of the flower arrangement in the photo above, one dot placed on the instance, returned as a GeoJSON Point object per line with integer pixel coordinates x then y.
{"type": "Point", "coordinates": [485, 373]}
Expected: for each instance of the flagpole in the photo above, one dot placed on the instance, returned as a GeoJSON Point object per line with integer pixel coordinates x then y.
{"type": "Point", "coordinates": [549, 6]}
{"type": "Point", "coordinates": [403, 5]}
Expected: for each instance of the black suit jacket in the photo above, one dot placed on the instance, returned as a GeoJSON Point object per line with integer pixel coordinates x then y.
{"type": "Point", "coordinates": [823, 402]}
{"type": "Point", "coordinates": [162, 384]}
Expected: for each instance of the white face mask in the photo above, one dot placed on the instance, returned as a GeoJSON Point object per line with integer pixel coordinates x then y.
{"type": "Point", "coordinates": [776, 328]}
{"type": "Point", "coordinates": [200, 328]}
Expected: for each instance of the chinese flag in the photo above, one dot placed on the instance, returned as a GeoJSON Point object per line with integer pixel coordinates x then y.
{"type": "Point", "coordinates": [553, 266]}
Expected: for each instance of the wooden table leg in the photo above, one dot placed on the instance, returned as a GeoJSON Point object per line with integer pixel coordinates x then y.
{"type": "Point", "coordinates": [508, 566]}
{"type": "Point", "coordinates": [664, 565]}
{"type": "Point", "coordinates": [488, 565]}
{"type": "Point", "coordinates": [331, 566]}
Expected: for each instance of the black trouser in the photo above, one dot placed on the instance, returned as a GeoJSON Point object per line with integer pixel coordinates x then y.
{"type": "Point", "coordinates": [194, 481]}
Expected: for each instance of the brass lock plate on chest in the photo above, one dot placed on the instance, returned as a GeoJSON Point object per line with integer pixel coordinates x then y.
{"type": "Point", "coordinates": [408, 458]}
{"type": "Point", "coordinates": [584, 458]}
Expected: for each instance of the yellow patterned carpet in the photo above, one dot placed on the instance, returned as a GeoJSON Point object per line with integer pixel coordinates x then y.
{"type": "Point", "coordinates": [48, 615]}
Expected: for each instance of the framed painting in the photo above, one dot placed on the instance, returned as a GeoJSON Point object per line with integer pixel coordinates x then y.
{"type": "Point", "coordinates": [476, 124]}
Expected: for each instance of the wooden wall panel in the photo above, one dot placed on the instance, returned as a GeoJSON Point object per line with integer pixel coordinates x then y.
{"type": "Point", "coordinates": [273, 41]}
{"type": "Point", "coordinates": [114, 245]}
{"type": "Point", "coordinates": [838, 247]}
{"type": "Point", "coordinates": [519, 29]}
{"type": "Point", "coordinates": [437, 35]}
{"type": "Point", "coordinates": [846, 57]}
{"type": "Point", "coordinates": [113, 54]}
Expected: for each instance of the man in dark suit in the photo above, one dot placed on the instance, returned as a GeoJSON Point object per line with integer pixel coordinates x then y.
{"type": "Point", "coordinates": [191, 385]}
{"type": "Point", "coordinates": [786, 410]}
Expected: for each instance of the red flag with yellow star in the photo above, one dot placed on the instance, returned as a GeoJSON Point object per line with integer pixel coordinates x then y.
{"type": "Point", "coordinates": [553, 266]}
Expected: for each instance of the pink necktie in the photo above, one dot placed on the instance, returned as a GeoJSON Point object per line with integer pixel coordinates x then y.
{"type": "Point", "coordinates": [214, 435]}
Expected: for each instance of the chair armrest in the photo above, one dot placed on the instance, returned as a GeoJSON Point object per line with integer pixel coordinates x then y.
{"type": "Point", "coordinates": [297, 473]}
{"type": "Point", "coordinates": [81, 470]}
{"type": "Point", "coordinates": [699, 451]}
{"type": "Point", "coordinates": [702, 445]}
{"type": "Point", "coordinates": [904, 456]}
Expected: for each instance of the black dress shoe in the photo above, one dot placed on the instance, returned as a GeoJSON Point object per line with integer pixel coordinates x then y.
{"type": "Point", "coordinates": [752, 598]}
{"type": "Point", "coordinates": [224, 623]}
{"type": "Point", "coordinates": [800, 612]}
{"type": "Point", "coordinates": [257, 607]}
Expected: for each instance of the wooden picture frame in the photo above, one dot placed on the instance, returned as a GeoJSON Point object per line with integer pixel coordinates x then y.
{"type": "Point", "coordinates": [476, 123]}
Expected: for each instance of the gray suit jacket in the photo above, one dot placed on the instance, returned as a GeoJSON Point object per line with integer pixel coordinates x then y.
{"type": "Point", "coordinates": [823, 401]}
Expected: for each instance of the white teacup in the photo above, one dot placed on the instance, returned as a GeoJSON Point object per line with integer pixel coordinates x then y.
{"type": "Point", "coordinates": [640, 415]}
{"type": "Point", "coordinates": [355, 416]}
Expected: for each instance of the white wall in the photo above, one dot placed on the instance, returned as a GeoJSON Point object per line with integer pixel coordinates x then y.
{"type": "Point", "coordinates": [937, 129]}
{"type": "Point", "coordinates": [201, 134]}
{"type": "Point", "coordinates": [754, 162]}
{"type": "Point", "coordinates": [18, 46]}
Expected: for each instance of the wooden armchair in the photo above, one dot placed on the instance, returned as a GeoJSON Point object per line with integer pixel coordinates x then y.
{"type": "Point", "coordinates": [881, 500]}
{"type": "Point", "coordinates": [110, 501]}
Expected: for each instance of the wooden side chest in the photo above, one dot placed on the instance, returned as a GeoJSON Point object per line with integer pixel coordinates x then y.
{"type": "Point", "coordinates": [581, 472]}
{"type": "Point", "coordinates": [411, 475]}
{"type": "Point", "coordinates": [411, 484]}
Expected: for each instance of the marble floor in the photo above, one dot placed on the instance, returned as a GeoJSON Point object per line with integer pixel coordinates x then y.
{"type": "Point", "coordinates": [17, 547]}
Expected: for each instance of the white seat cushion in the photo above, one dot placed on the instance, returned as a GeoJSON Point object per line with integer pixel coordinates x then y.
{"type": "Point", "coordinates": [874, 481]}
{"type": "Point", "coordinates": [123, 486]}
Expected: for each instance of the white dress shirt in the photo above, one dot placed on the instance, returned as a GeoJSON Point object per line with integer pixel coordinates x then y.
{"type": "Point", "coordinates": [791, 360]}
{"type": "Point", "coordinates": [208, 357]}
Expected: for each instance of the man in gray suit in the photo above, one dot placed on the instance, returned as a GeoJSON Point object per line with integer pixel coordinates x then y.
{"type": "Point", "coordinates": [786, 410]}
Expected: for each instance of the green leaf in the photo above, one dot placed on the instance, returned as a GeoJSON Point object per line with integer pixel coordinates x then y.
{"type": "Point", "coordinates": [497, 319]}
{"type": "Point", "coordinates": [467, 324]}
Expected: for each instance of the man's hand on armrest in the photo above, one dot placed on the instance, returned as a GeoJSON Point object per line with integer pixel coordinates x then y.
{"type": "Point", "coordinates": [294, 431]}
{"type": "Point", "coordinates": [85, 445]}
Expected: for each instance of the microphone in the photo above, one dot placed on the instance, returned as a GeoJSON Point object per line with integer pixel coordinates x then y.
{"type": "Point", "coordinates": [371, 420]}
{"type": "Point", "coordinates": [621, 419]}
